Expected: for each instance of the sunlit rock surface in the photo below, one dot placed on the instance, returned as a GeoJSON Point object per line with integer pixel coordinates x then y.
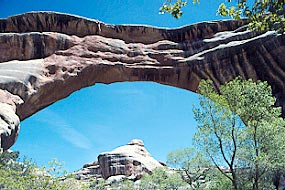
{"type": "Point", "coordinates": [45, 56]}
{"type": "Point", "coordinates": [131, 160]}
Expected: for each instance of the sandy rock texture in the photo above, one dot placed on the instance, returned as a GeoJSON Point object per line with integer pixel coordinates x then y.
{"type": "Point", "coordinates": [128, 161]}
{"type": "Point", "coordinates": [45, 56]}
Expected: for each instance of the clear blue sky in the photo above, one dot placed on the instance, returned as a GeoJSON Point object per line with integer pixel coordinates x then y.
{"type": "Point", "coordinates": [103, 117]}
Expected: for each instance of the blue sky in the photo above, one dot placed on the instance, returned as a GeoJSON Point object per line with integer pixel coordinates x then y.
{"type": "Point", "coordinates": [103, 117]}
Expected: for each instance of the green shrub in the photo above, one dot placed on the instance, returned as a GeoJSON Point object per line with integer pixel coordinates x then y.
{"type": "Point", "coordinates": [163, 179]}
{"type": "Point", "coordinates": [27, 175]}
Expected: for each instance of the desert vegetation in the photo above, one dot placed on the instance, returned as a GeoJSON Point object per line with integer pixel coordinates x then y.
{"type": "Point", "coordinates": [239, 138]}
{"type": "Point", "coordinates": [239, 144]}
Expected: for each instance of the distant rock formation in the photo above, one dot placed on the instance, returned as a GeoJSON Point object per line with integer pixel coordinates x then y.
{"type": "Point", "coordinates": [131, 160]}
{"type": "Point", "coordinates": [45, 56]}
{"type": "Point", "coordinates": [90, 170]}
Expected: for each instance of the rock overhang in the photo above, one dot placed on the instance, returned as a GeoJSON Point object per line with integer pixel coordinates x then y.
{"type": "Point", "coordinates": [45, 56]}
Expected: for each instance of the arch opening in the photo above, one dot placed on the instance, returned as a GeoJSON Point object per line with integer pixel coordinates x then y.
{"type": "Point", "coordinates": [102, 117]}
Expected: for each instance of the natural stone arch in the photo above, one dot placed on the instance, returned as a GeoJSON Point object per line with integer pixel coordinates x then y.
{"type": "Point", "coordinates": [46, 56]}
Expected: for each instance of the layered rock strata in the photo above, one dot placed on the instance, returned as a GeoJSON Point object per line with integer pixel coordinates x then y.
{"type": "Point", "coordinates": [89, 171]}
{"type": "Point", "coordinates": [131, 160]}
{"type": "Point", "coordinates": [45, 56]}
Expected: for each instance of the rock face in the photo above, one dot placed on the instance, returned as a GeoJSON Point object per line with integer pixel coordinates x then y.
{"type": "Point", "coordinates": [91, 170]}
{"type": "Point", "coordinates": [131, 160]}
{"type": "Point", "coordinates": [45, 56]}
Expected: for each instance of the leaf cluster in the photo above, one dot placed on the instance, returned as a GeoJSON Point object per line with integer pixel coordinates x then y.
{"type": "Point", "coordinates": [175, 9]}
{"type": "Point", "coordinates": [263, 15]}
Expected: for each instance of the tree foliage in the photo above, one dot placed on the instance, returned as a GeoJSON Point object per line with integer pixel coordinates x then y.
{"type": "Point", "coordinates": [191, 165]}
{"type": "Point", "coordinates": [26, 175]}
{"type": "Point", "coordinates": [161, 178]}
{"type": "Point", "coordinates": [175, 9]}
{"type": "Point", "coordinates": [262, 14]}
{"type": "Point", "coordinates": [219, 181]}
{"type": "Point", "coordinates": [220, 134]}
{"type": "Point", "coordinates": [240, 128]}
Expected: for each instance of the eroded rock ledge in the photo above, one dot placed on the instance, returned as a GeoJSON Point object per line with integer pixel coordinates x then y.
{"type": "Point", "coordinates": [45, 56]}
{"type": "Point", "coordinates": [131, 160]}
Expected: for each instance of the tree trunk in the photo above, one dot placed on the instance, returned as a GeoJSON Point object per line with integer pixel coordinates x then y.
{"type": "Point", "coordinates": [234, 181]}
{"type": "Point", "coordinates": [256, 177]}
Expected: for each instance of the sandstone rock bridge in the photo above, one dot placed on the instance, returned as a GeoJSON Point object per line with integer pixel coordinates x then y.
{"type": "Point", "coordinates": [45, 56]}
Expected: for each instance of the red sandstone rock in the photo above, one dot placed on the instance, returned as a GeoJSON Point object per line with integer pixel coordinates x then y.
{"type": "Point", "coordinates": [131, 160]}
{"type": "Point", "coordinates": [46, 56]}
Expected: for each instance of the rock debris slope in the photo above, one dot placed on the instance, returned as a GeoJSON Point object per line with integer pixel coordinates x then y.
{"type": "Point", "coordinates": [45, 56]}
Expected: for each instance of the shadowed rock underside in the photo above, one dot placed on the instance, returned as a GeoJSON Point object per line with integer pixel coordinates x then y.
{"type": "Point", "coordinates": [45, 56]}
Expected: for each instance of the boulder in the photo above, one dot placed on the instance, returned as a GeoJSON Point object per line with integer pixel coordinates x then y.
{"type": "Point", "coordinates": [116, 179]}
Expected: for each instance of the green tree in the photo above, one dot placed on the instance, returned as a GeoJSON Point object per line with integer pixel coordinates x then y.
{"type": "Point", "coordinates": [191, 165]}
{"type": "Point", "coordinates": [161, 178]}
{"type": "Point", "coordinates": [254, 103]}
{"type": "Point", "coordinates": [26, 175]}
{"type": "Point", "coordinates": [219, 181]}
{"type": "Point", "coordinates": [262, 14]}
{"type": "Point", "coordinates": [220, 133]}
{"type": "Point", "coordinates": [240, 128]}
